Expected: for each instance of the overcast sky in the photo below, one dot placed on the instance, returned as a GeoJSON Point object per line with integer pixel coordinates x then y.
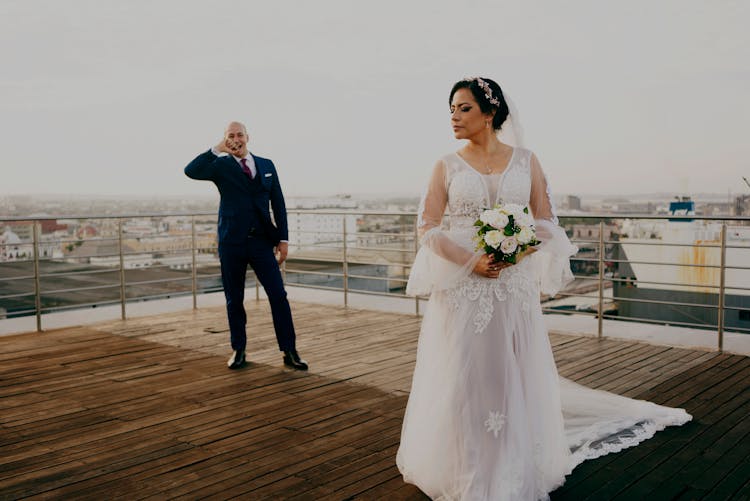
{"type": "Point", "coordinates": [116, 97]}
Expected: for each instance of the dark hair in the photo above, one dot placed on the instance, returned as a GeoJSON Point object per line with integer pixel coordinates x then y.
{"type": "Point", "coordinates": [501, 111]}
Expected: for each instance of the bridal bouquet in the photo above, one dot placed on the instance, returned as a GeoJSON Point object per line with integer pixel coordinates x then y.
{"type": "Point", "coordinates": [505, 231]}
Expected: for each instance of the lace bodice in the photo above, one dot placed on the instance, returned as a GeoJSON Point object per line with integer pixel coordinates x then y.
{"type": "Point", "coordinates": [448, 251]}
{"type": "Point", "coordinates": [470, 192]}
{"type": "Point", "coordinates": [463, 192]}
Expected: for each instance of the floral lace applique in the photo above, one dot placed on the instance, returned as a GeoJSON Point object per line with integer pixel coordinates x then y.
{"type": "Point", "coordinates": [513, 281]}
{"type": "Point", "coordinates": [495, 422]}
{"type": "Point", "coordinates": [463, 190]}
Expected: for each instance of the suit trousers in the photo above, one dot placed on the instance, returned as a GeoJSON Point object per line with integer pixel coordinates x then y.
{"type": "Point", "coordinates": [258, 253]}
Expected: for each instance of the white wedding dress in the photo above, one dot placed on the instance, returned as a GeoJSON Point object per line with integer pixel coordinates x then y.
{"type": "Point", "coordinates": [488, 417]}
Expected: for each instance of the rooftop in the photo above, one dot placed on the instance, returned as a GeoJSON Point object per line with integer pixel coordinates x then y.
{"type": "Point", "coordinates": [146, 409]}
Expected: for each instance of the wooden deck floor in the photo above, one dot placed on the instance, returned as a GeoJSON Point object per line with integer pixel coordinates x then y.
{"type": "Point", "coordinates": [146, 409]}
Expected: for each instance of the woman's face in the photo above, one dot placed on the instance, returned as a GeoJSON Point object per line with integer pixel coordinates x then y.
{"type": "Point", "coordinates": [467, 118]}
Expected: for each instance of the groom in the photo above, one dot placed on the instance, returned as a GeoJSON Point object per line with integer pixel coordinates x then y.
{"type": "Point", "coordinates": [248, 185]}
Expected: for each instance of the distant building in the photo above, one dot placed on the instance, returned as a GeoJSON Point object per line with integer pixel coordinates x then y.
{"type": "Point", "coordinates": [13, 248]}
{"type": "Point", "coordinates": [23, 229]}
{"type": "Point", "coordinates": [311, 229]}
{"type": "Point", "coordinates": [634, 208]}
{"type": "Point", "coordinates": [51, 226]}
{"type": "Point", "coordinates": [715, 209]}
{"type": "Point", "coordinates": [586, 238]}
{"type": "Point", "coordinates": [107, 253]}
{"type": "Point", "coordinates": [679, 261]}
{"type": "Point", "coordinates": [86, 231]}
{"type": "Point", "coordinates": [173, 241]}
{"type": "Point", "coordinates": [741, 206]}
{"type": "Point", "coordinates": [591, 231]}
{"type": "Point", "coordinates": [144, 226]}
{"type": "Point", "coordinates": [571, 202]}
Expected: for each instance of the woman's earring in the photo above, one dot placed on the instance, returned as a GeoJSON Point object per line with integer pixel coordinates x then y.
{"type": "Point", "coordinates": [487, 124]}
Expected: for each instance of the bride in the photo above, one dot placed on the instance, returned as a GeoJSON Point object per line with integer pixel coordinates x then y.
{"type": "Point", "coordinates": [488, 417]}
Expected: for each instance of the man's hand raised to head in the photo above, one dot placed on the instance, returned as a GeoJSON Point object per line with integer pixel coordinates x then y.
{"type": "Point", "coordinates": [228, 146]}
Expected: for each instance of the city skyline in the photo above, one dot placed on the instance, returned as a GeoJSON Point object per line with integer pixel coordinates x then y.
{"type": "Point", "coordinates": [114, 99]}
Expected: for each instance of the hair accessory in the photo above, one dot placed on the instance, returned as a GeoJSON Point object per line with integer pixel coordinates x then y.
{"type": "Point", "coordinates": [487, 90]}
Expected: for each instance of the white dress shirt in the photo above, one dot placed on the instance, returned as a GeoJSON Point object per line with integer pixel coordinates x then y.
{"type": "Point", "coordinates": [250, 161]}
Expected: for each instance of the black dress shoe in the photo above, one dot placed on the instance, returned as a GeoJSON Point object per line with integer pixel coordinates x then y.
{"type": "Point", "coordinates": [291, 358]}
{"type": "Point", "coordinates": [237, 360]}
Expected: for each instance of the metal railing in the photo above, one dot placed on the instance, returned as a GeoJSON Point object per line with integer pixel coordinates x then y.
{"type": "Point", "coordinates": [354, 252]}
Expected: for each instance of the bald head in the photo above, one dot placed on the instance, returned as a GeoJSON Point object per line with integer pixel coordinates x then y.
{"type": "Point", "coordinates": [236, 138]}
{"type": "Point", "coordinates": [236, 125]}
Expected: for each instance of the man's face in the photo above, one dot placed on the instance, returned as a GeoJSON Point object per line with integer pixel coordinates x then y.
{"type": "Point", "coordinates": [236, 138]}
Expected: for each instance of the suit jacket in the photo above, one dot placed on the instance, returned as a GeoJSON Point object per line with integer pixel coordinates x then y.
{"type": "Point", "coordinates": [243, 202]}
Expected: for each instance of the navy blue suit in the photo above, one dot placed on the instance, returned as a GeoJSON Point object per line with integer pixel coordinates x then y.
{"type": "Point", "coordinates": [247, 236]}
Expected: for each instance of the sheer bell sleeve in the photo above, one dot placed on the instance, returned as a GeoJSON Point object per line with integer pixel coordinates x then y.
{"type": "Point", "coordinates": [440, 261]}
{"type": "Point", "coordinates": [553, 256]}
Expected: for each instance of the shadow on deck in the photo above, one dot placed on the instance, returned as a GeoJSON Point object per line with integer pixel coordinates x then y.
{"type": "Point", "coordinates": [146, 409]}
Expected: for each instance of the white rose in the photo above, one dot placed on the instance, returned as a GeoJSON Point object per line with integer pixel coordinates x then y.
{"type": "Point", "coordinates": [524, 220]}
{"type": "Point", "coordinates": [499, 220]}
{"type": "Point", "coordinates": [509, 245]}
{"type": "Point", "coordinates": [525, 235]}
{"type": "Point", "coordinates": [514, 210]}
{"type": "Point", "coordinates": [493, 238]}
{"type": "Point", "coordinates": [487, 216]}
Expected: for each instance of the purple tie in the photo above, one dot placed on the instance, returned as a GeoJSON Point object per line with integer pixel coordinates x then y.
{"type": "Point", "coordinates": [246, 169]}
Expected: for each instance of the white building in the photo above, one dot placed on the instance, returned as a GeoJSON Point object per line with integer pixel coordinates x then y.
{"type": "Point", "coordinates": [320, 229]}
{"type": "Point", "coordinates": [14, 248]}
{"type": "Point", "coordinates": [144, 226]}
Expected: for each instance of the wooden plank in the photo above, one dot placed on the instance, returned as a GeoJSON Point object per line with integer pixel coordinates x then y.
{"type": "Point", "coordinates": [146, 408]}
{"type": "Point", "coordinates": [632, 474]}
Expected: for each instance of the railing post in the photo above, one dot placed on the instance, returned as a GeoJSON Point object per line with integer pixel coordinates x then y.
{"type": "Point", "coordinates": [345, 264]}
{"type": "Point", "coordinates": [416, 250]}
{"type": "Point", "coordinates": [600, 323]}
{"type": "Point", "coordinates": [194, 273]}
{"type": "Point", "coordinates": [722, 286]}
{"type": "Point", "coordinates": [122, 269]}
{"type": "Point", "coordinates": [37, 281]}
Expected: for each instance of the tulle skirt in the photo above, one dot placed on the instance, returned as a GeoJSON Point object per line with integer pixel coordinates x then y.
{"type": "Point", "coordinates": [488, 417]}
